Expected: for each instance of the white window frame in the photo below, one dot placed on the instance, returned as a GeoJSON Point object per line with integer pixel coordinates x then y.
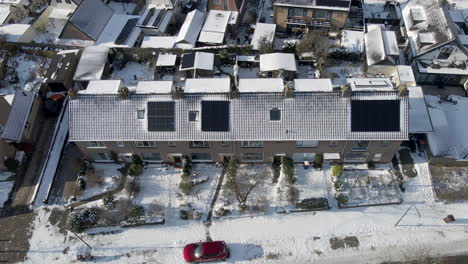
{"type": "Point", "coordinates": [307, 144]}
{"type": "Point", "coordinates": [152, 160]}
{"type": "Point", "coordinates": [252, 144]}
{"type": "Point", "coordinates": [201, 160]}
{"type": "Point", "coordinates": [377, 157]}
{"type": "Point", "coordinates": [141, 114]}
{"type": "Point", "coordinates": [364, 157]}
{"type": "Point", "coordinates": [243, 158]}
{"type": "Point", "coordinates": [198, 144]}
{"type": "Point", "coordinates": [360, 149]}
{"type": "Point", "coordinates": [145, 144]}
{"type": "Point", "coordinates": [120, 144]}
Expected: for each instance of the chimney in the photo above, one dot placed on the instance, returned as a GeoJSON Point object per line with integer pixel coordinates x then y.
{"type": "Point", "coordinates": [403, 90]}
{"type": "Point", "coordinates": [346, 90]}
{"type": "Point", "coordinates": [177, 92]}
{"type": "Point", "coordinates": [289, 90]}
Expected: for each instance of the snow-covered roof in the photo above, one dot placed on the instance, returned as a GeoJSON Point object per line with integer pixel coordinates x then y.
{"type": "Point", "coordinates": [406, 75]}
{"type": "Point", "coordinates": [352, 40]}
{"type": "Point", "coordinates": [207, 85]}
{"type": "Point", "coordinates": [102, 87]}
{"type": "Point", "coordinates": [331, 156]}
{"type": "Point", "coordinates": [20, 110]}
{"type": "Point", "coordinates": [263, 30]}
{"type": "Point", "coordinates": [341, 5]}
{"type": "Point", "coordinates": [449, 138]}
{"type": "Point", "coordinates": [381, 45]}
{"type": "Point", "coordinates": [155, 18]}
{"type": "Point", "coordinates": [278, 61]}
{"type": "Point", "coordinates": [418, 120]}
{"type": "Point", "coordinates": [307, 116]}
{"type": "Point", "coordinates": [13, 32]}
{"type": "Point", "coordinates": [158, 42]}
{"type": "Point", "coordinates": [154, 87]}
{"type": "Point", "coordinates": [4, 13]}
{"type": "Point", "coordinates": [370, 84]}
{"type": "Point", "coordinates": [261, 85]}
{"type": "Point", "coordinates": [191, 28]}
{"type": "Point", "coordinates": [214, 28]}
{"type": "Point", "coordinates": [91, 17]}
{"type": "Point", "coordinates": [425, 16]}
{"type": "Point", "coordinates": [166, 59]}
{"type": "Point", "coordinates": [119, 31]}
{"type": "Point", "coordinates": [313, 85]}
{"type": "Point", "coordinates": [92, 63]}
{"type": "Point", "coordinates": [197, 60]}
{"type": "Point", "coordinates": [382, 9]}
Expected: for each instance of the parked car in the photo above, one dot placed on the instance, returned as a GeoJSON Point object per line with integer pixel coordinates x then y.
{"type": "Point", "coordinates": [206, 251]}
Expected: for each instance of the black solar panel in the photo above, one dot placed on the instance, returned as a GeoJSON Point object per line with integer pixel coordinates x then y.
{"type": "Point", "coordinates": [375, 115]}
{"type": "Point", "coordinates": [188, 60]}
{"type": "Point", "coordinates": [161, 116]}
{"type": "Point", "coordinates": [127, 29]}
{"type": "Point", "coordinates": [148, 16]}
{"type": "Point", "coordinates": [215, 116]}
{"type": "Point", "coordinates": [333, 3]}
{"type": "Point", "coordinates": [159, 18]}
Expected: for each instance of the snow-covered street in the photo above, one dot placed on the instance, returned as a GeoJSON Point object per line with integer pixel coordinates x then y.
{"type": "Point", "coordinates": [295, 238]}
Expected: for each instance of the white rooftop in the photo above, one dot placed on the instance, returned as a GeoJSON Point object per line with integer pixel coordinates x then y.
{"type": "Point", "coordinates": [154, 87]}
{"type": "Point", "coordinates": [214, 28]}
{"type": "Point", "coordinates": [207, 85]}
{"type": "Point", "coordinates": [4, 13]}
{"type": "Point", "coordinates": [166, 59]}
{"type": "Point", "coordinates": [426, 38]}
{"type": "Point", "coordinates": [370, 84]}
{"type": "Point", "coordinates": [278, 61]}
{"type": "Point", "coordinates": [417, 14]}
{"type": "Point", "coordinates": [102, 87]}
{"type": "Point", "coordinates": [405, 74]}
{"type": "Point", "coordinates": [92, 63]}
{"type": "Point", "coordinates": [114, 29]}
{"type": "Point", "coordinates": [419, 120]}
{"type": "Point", "coordinates": [158, 42]}
{"type": "Point", "coordinates": [191, 28]}
{"type": "Point", "coordinates": [313, 85]}
{"type": "Point", "coordinates": [259, 85]}
{"type": "Point", "coordinates": [13, 32]}
{"type": "Point", "coordinates": [263, 30]}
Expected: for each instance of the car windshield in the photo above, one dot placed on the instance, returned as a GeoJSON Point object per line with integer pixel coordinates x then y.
{"type": "Point", "coordinates": [197, 251]}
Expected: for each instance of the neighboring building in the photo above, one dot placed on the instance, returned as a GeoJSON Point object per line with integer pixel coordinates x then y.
{"type": "Point", "coordinates": [438, 42]}
{"type": "Point", "coordinates": [278, 65]}
{"type": "Point", "coordinates": [386, 12]}
{"type": "Point", "coordinates": [197, 64]}
{"type": "Point", "coordinates": [6, 150]}
{"type": "Point", "coordinates": [226, 5]}
{"type": "Point", "coordinates": [59, 75]}
{"type": "Point", "coordinates": [158, 42]}
{"type": "Point", "coordinates": [93, 65]}
{"type": "Point", "coordinates": [216, 26]}
{"type": "Point", "coordinates": [23, 121]}
{"type": "Point", "coordinates": [155, 21]}
{"type": "Point", "coordinates": [190, 30]}
{"type": "Point", "coordinates": [381, 46]}
{"type": "Point", "coordinates": [65, 4]}
{"type": "Point", "coordinates": [214, 125]}
{"type": "Point", "coordinates": [296, 15]}
{"type": "Point", "coordinates": [263, 31]}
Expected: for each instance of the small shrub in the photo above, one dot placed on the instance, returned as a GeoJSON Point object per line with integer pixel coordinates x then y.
{"type": "Point", "coordinates": [184, 214]}
{"type": "Point", "coordinates": [337, 186]}
{"type": "Point", "coordinates": [288, 170]}
{"type": "Point", "coordinates": [72, 93]}
{"type": "Point", "coordinates": [185, 187]}
{"type": "Point", "coordinates": [137, 159]}
{"type": "Point", "coordinates": [11, 164]}
{"type": "Point", "coordinates": [135, 170]}
{"type": "Point", "coordinates": [109, 201]}
{"type": "Point", "coordinates": [136, 211]}
{"type": "Point", "coordinates": [292, 195]}
{"type": "Point", "coordinates": [79, 221]}
{"type": "Point", "coordinates": [342, 199]}
{"type": "Point", "coordinates": [313, 203]}
{"type": "Point", "coordinates": [276, 171]}
{"type": "Point", "coordinates": [123, 92]}
{"type": "Point", "coordinates": [337, 170]}
{"type": "Point", "coordinates": [318, 162]}
{"type": "Point", "coordinates": [371, 165]}
{"type": "Point", "coordinates": [156, 208]}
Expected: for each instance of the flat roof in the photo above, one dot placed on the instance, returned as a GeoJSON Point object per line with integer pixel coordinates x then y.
{"type": "Point", "coordinates": [259, 85]}
{"type": "Point", "coordinates": [166, 59]}
{"type": "Point", "coordinates": [278, 61]}
{"type": "Point", "coordinates": [207, 85]}
{"type": "Point", "coordinates": [102, 87]}
{"type": "Point", "coordinates": [370, 84]}
{"type": "Point", "coordinates": [313, 85]}
{"type": "Point", "coordinates": [154, 87]}
{"type": "Point", "coordinates": [418, 119]}
{"type": "Point", "coordinates": [158, 42]}
{"type": "Point", "coordinates": [214, 28]}
{"type": "Point", "coordinates": [263, 30]}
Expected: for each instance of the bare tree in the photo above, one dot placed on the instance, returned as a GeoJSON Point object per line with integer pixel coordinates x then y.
{"type": "Point", "coordinates": [243, 182]}
{"type": "Point", "coordinates": [264, 45]}
{"type": "Point", "coordinates": [314, 42]}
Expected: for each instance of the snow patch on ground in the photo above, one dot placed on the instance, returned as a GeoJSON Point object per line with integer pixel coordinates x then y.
{"type": "Point", "coordinates": [103, 178]}
{"type": "Point", "coordinates": [133, 72]}
{"type": "Point", "coordinates": [352, 40]}
{"type": "Point", "coordinates": [341, 70]}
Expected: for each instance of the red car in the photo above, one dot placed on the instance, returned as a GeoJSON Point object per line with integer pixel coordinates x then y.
{"type": "Point", "coordinates": [206, 251]}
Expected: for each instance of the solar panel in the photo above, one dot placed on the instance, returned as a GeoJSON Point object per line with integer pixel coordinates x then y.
{"type": "Point", "coordinates": [148, 16]}
{"type": "Point", "coordinates": [333, 3]}
{"type": "Point", "coordinates": [159, 18]}
{"type": "Point", "coordinates": [161, 116]}
{"type": "Point", "coordinates": [188, 60]}
{"type": "Point", "coordinates": [375, 115]}
{"type": "Point", "coordinates": [131, 23]}
{"type": "Point", "coordinates": [215, 116]}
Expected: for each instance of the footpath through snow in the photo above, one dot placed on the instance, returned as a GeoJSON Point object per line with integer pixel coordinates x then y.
{"type": "Point", "coordinates": [294, 238]}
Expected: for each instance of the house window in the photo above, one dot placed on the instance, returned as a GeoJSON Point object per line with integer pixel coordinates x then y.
{"type": "Point", "coordinates": [275, 114]}
{"type": "Point", "coordinates": [252, 144]}
{"type": "Point", "coordinates": [360, 145]}
{"type": "Point", "coordinates": [321, 14]}
{"type": "Point", "coordinates": [201, 157]}
{"type": "Point", "coordinates": [96, 144]}
{"type": "Point", "coordinates": [120, 144]}
{"type": "Point", "coordinates": [384, 144]}
{"type": "Point", "coordinates": [171, 143]}
{"type": "Point", "coordinates": [356, 157]}
{"type": "Point", "coordinates": [297, 12]}
{"type": "Point", "coordinates": [307, 144]}
{"type": "Point", "coordinates": [224, 143]}
{"type": "Point", "coordinates": [377, 157]}
{"type": "Point", "coordinates": [198, 144]}
{"type": "Point", "coordinates": [445, 53]}
{"type": "Point", "coordinates": [252, 157]}
{"type": "Point", "coordinates": [151, 156]}
{"type": "Point", "coordinates": [301, 157]}
{"type": "Point", "coordinates": [193, 116]}
{"type": "Point", "coordinates": [145, 144]}
{"type": "Point", "coordinates": [140, 114]}
{"type": "Point", "coordinates": [100, 156]}
{"type": "Point", "coordinates": [333, 144]}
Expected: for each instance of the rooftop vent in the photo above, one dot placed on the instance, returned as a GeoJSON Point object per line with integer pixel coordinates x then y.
{"type": "Point", "coordinates": [417, 15]}
{"type": "Point", "coordinates": [425, 39]}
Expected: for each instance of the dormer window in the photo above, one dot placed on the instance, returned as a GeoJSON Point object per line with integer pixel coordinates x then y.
{"type": "Point", "coordinates": [445, 53]}
{"type": "Point", "coordinates": [140, 114]}
{"type": "Point", "coordinates": [193, 116]}
{"type": "Point", "coordinates": [275, 114]}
